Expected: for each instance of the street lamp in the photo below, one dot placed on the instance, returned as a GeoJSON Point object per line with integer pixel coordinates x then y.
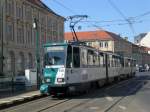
{"type": "Point", "coordinates": [35, 26]}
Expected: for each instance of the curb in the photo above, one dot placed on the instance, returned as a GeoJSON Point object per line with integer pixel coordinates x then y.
{"type": "Point", "coordinates": [19, 100]}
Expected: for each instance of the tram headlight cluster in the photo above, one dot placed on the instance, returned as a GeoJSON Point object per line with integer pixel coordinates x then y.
{"type": "Point", "coordinates": [60, 79]}
{"type": "Point", "coordinates": [47, 80]}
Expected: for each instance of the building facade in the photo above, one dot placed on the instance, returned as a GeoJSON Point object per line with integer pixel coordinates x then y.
{"type": "Point", "coordinates": [140, 53]}
{"type": "Point", "coordinates": [143, 39]}
{"type": "Point", "coordinates": [19, 37]}
{"type": "Point", "coordinates": [105, 41]}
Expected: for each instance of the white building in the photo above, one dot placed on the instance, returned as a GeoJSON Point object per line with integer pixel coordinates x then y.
{"type": "Point", "coordinates": [143, 40]}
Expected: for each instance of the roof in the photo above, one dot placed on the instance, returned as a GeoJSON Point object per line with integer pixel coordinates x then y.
{"type": "Point", "coordinates": [42, 5]}
{"type": "Point", "coordinates": [140, 36]}
{"type": "Point", "coordinates": [93, 35]}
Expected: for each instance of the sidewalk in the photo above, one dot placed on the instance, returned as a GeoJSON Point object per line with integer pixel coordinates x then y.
{"type": "Point", "coordinates": [19, 98]}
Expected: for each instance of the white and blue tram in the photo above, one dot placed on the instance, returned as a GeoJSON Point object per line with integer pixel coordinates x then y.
{"type": "Point", "coordinates": [74, 67]}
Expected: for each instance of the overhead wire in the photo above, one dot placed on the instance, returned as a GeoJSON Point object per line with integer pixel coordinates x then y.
{"type": "Point", "coordinates": [65, 7]}
{"type": "Point", "coordinates": [129, 20]}
{"type": "Point", "coordinates": [123, 16]}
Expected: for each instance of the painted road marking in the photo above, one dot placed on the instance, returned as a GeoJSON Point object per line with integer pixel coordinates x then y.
{"type": "Point", "coordinates": [122, 107]}
{"type": "Point", "coordinates": [94, 108]}
{"type": "Point", "coordinates": [109, 98]}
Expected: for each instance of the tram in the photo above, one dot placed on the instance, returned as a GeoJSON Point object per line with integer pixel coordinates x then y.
{"type": "Point", "coordinates": [71, 67]}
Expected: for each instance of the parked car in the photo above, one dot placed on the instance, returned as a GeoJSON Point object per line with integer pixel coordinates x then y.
{"type": "Point", "coordinates": [142, 69]}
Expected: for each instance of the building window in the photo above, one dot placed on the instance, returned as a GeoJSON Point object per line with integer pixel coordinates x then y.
{"type": "Point", "coordinates": [42, 38]}
{"type": "Point", "coordinates": [29, 36]}
{"type": "Point", "coordinates": [20, 64]}
{"type": "Point", "coordinates": [19, 11]}
{"type": "Point", "coordinates": [89, 43]}
{"type": "Point", "coordinates": [30, 61]}
{"type": "Point", "coordinates": [9, 7]}
{"type": "Point", "coordinates": [54, 35]}
{"type": "Point", "coordinates": [9, 32]}
{"type": "Point", "coordinates": [11, 62]}
{"type": "Point", "coordinates": [28, 13]}
{"type": "Point", "coordinates": [101, 44]}
{"type": "Point", "coordinates": [20, 36]}
{"type": "Point", "coordinates": [106, 44]}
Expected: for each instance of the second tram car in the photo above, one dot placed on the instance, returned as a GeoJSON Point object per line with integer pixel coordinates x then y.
{"type": "Point", "coordinates": [74, 67]}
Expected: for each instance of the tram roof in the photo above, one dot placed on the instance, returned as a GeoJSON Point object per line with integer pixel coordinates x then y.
{"type": "Point", "coordinates": [64, 44]}
{"type": "Point", "coordinates": [55, 44]}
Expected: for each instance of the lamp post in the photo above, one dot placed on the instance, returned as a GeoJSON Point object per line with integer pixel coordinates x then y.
{"type": "Point", "coordinates": [35, 26]}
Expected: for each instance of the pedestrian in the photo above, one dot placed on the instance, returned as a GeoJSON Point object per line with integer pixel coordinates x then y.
{"type": "Point", "coordinates": [147, 67]}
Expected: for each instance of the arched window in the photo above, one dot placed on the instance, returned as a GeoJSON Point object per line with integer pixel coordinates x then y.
{"type": "Point", "coordinates": [11, 63]}
{"type": "Point", "coordinates": [21, 63]}
{"type": "Point", "coordinates": [30, 60]}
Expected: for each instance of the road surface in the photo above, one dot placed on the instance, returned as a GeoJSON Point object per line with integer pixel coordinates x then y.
{"type": "Point", "coordinates": [130, 95]}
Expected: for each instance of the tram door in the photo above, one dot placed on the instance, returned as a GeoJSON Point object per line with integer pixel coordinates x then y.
{"type": "Point", "coordinates": [73, 64]}
{"type": "Point", "coordinates": [76, 64]}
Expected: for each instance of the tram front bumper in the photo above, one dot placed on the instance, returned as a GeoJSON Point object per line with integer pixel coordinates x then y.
{"type": "Point", "coordinates": [44, 89]}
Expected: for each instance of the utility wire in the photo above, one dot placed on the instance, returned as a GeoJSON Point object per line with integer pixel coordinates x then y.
{"type": "Point", "coordinates": [141, 15]}
{"type": "Point", "coordinates": [109, 25]}
{"type": "Point", "coordinates": [62, 5]}
{"type": "Point", "coordinates": [123, 16]}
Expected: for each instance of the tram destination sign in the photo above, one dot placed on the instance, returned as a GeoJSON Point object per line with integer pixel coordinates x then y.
{"type": "Point", "coordinates": [55, 48]}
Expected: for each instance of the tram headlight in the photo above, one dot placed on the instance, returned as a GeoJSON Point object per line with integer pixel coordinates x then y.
{"type": "Point", "coordinates": [60, 79]}
{"type": "Point", "coordinates": [47, 80]}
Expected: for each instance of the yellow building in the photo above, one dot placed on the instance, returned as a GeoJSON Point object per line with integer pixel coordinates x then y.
{"type": "Point", "coordinates": [105, 41]}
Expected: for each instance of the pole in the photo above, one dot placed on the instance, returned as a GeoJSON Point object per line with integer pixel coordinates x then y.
{"type": "Point", "coordinates": [35, 25]}
{"type": "Point", "coordinates": [2, 44]}
{"type": "Point", "coordinates": [37, 59]}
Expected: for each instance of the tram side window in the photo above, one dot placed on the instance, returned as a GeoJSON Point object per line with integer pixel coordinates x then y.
{"type": "Point", "coordinates": [134, 63]}
{"type": "Point", "coordinates": [118, 62]}
{"type": "Point", "coordinates": [113, 63]}
{"type": "Point", "coordinates": [121, 62]}
{"type": "Point", "coordinates": [109, 60]}
{"type": "Point", "coordinates": [129, 62]}
{"type": "Point", "coordinates": [101, 59]}
{"type": "Point", "coordinates": [76, 57]}
{"type": "Point", "coordinates": [96, 59]}
{"type": "Point", "coordinates": [84, 57]}
{"type": "Point", "coordinates": [69, 57]}
{"type": "Point", "coordinates": [126, 63]}
{"type": "Point", "coordinates": [90, 58]}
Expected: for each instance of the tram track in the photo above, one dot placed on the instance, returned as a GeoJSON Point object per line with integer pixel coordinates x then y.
{"type": "Point", "coordinates": [89, 100]}
{"type": "Point", "coordinates": [53, 103]}
{"type": "Point", "coordinates": [71, 101]}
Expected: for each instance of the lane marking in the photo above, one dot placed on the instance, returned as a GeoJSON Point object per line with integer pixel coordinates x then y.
{"type": "Point", "coordinates": [93, 108]}
{"type": "Point", "coordinates": [109, 98]}
{"type": "Point", "coordinates": [122, 107]}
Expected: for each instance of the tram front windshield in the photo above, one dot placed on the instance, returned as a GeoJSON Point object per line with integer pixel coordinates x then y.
{"type": "Point", "coordinates": [54, 56]}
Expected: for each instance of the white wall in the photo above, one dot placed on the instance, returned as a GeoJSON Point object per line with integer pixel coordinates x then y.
{"type": "Point", "coordinates": [146, 40]}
